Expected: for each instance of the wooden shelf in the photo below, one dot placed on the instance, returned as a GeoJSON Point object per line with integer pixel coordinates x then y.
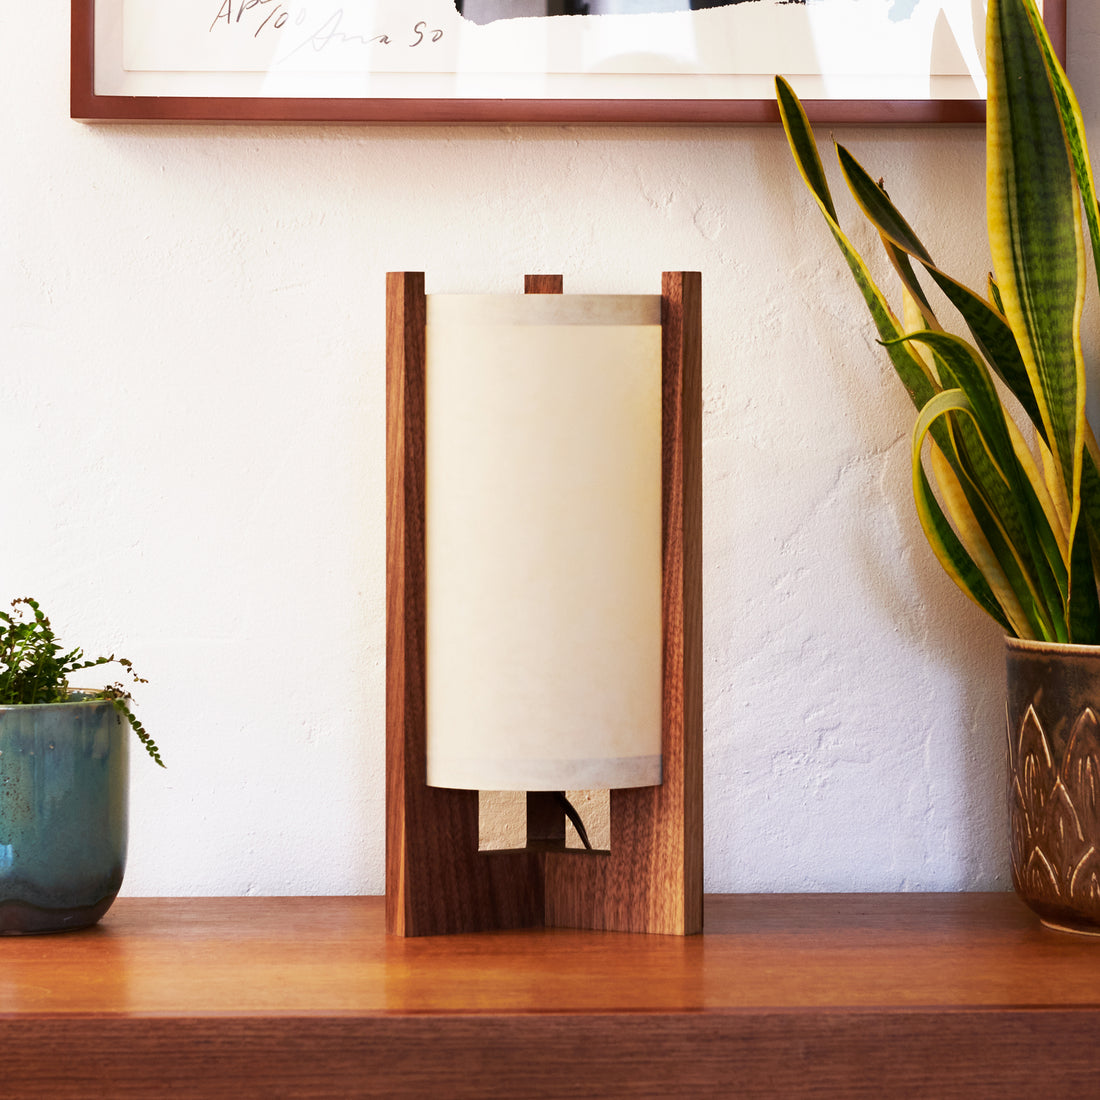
{"type": "Point", "coordinates": [938, 995]}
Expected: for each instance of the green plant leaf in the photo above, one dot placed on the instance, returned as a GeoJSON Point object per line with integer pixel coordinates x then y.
{"type": "Point", "coordinates": [801, 139]}
{"type": "Point", "coordinates": [1021, 537]}
{"type": "Point", "coordinates": [971, 530]}
{"type": "Point", "coordinates": [1090, 485]}
{"type": "Point", "coordinates": [989, 459]}
{"type": "Point", "coordinates": [1073, 127]}
{"type": "Point", "coordinates": [34, 670]}
{"type": "Point", "coordinates": [1083, 608]}
{"type": "Point", "coordinates": [1035, 229]}
{"type": "Point", "coordinates": [987, 324]}
{"type": "Point", "coordinates": [995, 295]}
{"type": "Point", "coordinates": [912, 372]}
{"type": "Point", "coordinates": [952, 555]}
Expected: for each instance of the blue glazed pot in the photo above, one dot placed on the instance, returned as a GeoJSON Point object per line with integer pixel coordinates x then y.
{"type": "Point", "coordinates": [64, 786]}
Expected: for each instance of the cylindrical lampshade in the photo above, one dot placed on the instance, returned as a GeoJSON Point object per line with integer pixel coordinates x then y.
{"type": "Point", "coordinates": [543, 541]}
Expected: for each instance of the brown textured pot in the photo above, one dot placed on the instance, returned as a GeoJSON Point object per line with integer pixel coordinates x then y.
{"type": "Point", "coordinates": [1054, 780]}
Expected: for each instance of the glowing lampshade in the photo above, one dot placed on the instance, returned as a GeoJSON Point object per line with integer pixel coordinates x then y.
{"type": "Point", "coordinates": [543, 541]}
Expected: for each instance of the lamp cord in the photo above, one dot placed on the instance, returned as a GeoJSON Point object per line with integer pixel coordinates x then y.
{"type": "Point", "coordinates": [574, 817]}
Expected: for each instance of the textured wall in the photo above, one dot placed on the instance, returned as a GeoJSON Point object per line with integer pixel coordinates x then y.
{"type": "Point", "coordinates": [191, 447]}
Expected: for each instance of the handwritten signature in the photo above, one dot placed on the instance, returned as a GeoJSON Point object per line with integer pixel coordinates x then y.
{"type": "Point", "coordinates": [278, 14]}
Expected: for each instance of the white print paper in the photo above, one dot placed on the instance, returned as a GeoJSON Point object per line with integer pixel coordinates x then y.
{"type": "Point", "coordinates": [888, 49]}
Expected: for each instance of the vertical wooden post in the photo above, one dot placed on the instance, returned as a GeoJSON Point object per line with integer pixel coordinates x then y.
{"type": "Point", "coordinates": [682, 522]}
{"type": "Point", "coordinates": [405, 719]}
{"type": "Point", "coordinates": [543, 284]}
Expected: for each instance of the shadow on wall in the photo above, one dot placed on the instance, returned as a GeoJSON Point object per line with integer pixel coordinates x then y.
{"type": "Point", "coordinates": [487, 11]}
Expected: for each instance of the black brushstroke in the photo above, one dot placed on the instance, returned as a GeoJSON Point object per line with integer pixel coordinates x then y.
{"type": "Point", "coordinates": [639, 7]}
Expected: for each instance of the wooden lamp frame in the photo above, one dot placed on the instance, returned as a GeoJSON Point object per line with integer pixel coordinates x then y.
{"type": "Point", "coordinates": [651, 880]}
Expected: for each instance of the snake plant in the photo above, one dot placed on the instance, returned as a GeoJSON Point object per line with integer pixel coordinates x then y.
{"type": "Point", "coordinates": [1006, 469]}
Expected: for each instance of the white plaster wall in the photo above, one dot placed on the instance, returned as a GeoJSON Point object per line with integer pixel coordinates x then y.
{"type": "Point", "coordinates": [191, 458]}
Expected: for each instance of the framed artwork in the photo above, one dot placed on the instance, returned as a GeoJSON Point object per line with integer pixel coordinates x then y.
{"type": "Point", "coordinates": [549, 61]}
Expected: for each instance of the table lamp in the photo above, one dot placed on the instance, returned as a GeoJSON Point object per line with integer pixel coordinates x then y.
{"type": "Point", "coordinates": [543, 603]}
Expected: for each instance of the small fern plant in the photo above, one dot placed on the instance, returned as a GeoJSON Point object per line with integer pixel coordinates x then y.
{"type": "Point", "coordinates": [35, 668]}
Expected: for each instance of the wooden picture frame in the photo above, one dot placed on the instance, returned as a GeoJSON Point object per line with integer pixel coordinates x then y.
{"type": "Point", "coordinates": [651, 879]}
{"type": "Point", "coordinates": [103, 88]}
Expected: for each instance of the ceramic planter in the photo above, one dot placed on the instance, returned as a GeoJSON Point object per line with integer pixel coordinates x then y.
{"type": "Point", "coordinates": [64, 780]}
{"type": "Point", "coordinates": [1054, 780]}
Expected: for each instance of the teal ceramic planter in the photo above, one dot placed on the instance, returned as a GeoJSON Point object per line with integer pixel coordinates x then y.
{"type": "Point", "coordinates": [64, 787]}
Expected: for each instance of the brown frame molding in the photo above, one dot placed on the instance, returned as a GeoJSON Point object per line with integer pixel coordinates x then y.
{"type": "Point", "coordinates": [86, 105]}
{"type": "Point", "coordinates": [651, 880]}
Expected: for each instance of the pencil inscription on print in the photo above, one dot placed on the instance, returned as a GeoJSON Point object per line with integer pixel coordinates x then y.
{"type": "Point", "coordinates": [489, 11]}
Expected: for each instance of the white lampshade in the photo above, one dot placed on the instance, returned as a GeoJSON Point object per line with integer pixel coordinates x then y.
{"type": "Point", "coordinates": [543, 541]}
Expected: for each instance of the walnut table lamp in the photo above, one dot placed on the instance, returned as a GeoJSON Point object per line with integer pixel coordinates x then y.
{"type": "Point", "coordinates": [543, 603]}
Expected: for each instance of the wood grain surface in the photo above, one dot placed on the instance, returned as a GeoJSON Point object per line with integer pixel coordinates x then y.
{"type": "Point", "coordinates": [543, 284]}
{"type": "Point", "coordinates": [782, 996]}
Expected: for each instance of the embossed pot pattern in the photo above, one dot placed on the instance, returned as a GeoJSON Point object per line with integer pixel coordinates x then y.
{"type": "Point", "coordinates": [1053, 708]}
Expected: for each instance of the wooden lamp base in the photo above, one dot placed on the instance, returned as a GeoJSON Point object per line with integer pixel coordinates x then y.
{"type": "Point", "coordinates": [437, 879]}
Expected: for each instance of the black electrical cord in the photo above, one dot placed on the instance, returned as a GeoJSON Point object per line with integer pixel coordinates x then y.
{"type": "Point", "coordinates": [574, 817]}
